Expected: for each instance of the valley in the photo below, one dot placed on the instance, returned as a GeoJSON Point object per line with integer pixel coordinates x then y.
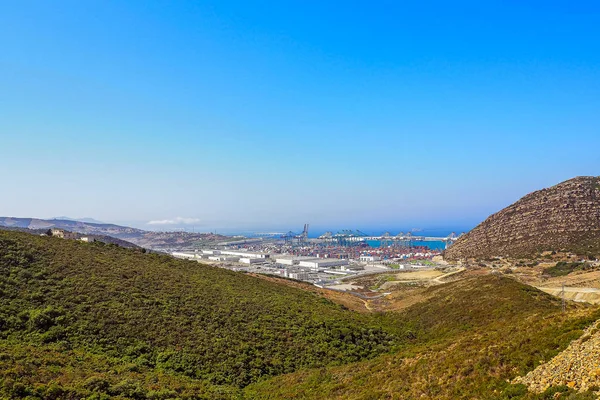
{"type": "Point", "coordinates": [88, 319]}
{"type": "Point", "coordinates": [299, 200]}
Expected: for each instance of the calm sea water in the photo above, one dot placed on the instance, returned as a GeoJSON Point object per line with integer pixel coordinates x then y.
{"type": "Point", "coordinates": [434, 245]}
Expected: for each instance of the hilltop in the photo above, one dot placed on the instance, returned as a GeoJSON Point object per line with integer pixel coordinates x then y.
{"type": "Point", "coordinates": [564, 217]}
{"type": "Point", "coordinates": [84, 219]}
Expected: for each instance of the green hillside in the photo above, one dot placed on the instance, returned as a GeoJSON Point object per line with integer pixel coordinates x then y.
{"type": "Point", "coordinates": [95, 321]}
{"type": "Point", "coordinates": [118, 318]}
{"type": "Point", "coordinates": [470, 338]}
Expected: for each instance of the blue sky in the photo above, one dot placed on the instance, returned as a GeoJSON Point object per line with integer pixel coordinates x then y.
{"type": "Point", "coordinates": [269, 114]}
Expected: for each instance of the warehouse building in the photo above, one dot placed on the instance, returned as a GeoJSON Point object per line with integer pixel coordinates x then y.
{"type": "Point", "coordinates": [291, 260]}
{"type": "Point", "coordinates": [298, 275]}
{"type": "Point", "coordinates": [322, 263]}
{"type": "Point", "coordinates": [369, 258]}
{"type": "Point", "coordinates": [248, 260]}
{"type": "Point", "coordinates": [245, 254]}
{"type": "Point", "coordinates": [187, 256]}
{"type": "Point", "coordinates": [224, 258]}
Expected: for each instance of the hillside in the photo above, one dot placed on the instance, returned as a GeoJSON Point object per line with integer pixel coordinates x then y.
{"type": "Point", "coordinates": [71, 225]}
{"type": "Point", "coordinates": [100, 238]}
{"type": "Point", "coordinates": [576, 367]}
{"type": "Point", "coordinates": [139, 237]}
{"type": "Point", "coordinates": [469, 339]}
{"type": "Point", "coordinates": [88, 320]}
{"type": "Point", "coordinates": [125, 321]}
{"type": "Point", "coordinates": [562, 217]}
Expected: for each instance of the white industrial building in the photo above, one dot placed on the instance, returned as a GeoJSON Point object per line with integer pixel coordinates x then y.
{"type": "Point", "coordinates": [369, 258]}
{"type": "Point", "coordinates": [352, 267]}
{"type": "Point", "coordinates": [245, 254]}
{"type": "Point", "coordinates": [223, 258]}
{"type": "Point", "coordinates": [248, 260]}
{"type": "Point", "coordinates": [188, 256]}
{"type": "Point", "coordinates": [320, 263]}
{"type": "Point", "coordinates": [336, 272]}
{"type": "Point", "coordinates": [296, 273]}
{"type": "Point", "coordinates": [291, 260]}
{"type": "Point", "coordinates": [300, 275]}
{"type": "Point", "coordinates": [286, 261]}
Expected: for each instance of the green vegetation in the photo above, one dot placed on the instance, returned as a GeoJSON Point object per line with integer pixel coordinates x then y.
{"type": "Point", "coordinates": [95, 321]}
{"type": "Point", "coordinates": [381, 279]}
{"type": "Point", "coordinates": [526, 264]}
{"type": "Point", "coordinates": [563, 268]}
{"type": "Point", "coordinates": [468, 339]}
{"type": "Point", "coordinates": [140, 319]}
{"type": "Point", "coordinates": [519, 391]}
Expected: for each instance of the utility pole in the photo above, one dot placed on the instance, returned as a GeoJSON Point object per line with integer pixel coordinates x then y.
{"type": "Point", "coordinates": [564, 305]}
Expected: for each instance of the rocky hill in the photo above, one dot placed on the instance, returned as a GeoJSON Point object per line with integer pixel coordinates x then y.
{"type": "Point", "coordinates": [576, 367]}
{"type": "Point", "coordinates": [562, 217]}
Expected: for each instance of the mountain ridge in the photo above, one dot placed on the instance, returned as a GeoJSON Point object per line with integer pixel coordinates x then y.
{"type": "Point", "coordinates": [85, 219]}
{"type": "Point", "coordinates": [139, 237]}
{"type": "Point", "coordinates": [565, 216]}
{"type": "Point", "coordinates": [70, 224]}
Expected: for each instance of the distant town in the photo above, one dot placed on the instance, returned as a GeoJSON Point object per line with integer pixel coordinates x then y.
{"type": "Point", "coordinates": [325, 261]}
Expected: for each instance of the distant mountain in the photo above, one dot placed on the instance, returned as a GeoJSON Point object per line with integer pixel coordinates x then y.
{"type": "Point", "coordinates": [98, 238]}
{"type": "Point", "coordinates": [89, 220]}
{"type": "Point", "coordinates": [70, 225]}
{"type": "Point", "coordinates": [562, 217]}
{"type": "Point", "coordinates": [139, 237]}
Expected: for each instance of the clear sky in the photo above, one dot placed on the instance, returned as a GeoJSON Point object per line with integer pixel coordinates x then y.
{"type": "Point", "coordinates": [269, 114]}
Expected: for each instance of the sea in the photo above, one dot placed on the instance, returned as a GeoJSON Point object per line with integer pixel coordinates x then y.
{"type": "Point", "coordinates": [434, 232]}
{"type": "Point", "coordinates": [434, 245]}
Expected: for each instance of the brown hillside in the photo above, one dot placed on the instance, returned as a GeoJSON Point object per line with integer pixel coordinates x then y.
{"type": "Point", "coordinates": [565, 216]}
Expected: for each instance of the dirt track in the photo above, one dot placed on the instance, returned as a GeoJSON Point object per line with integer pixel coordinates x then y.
{"type": "Point", "coordinates": [590, 295]}
{"type": "Point", "coordinates": [579, 279]}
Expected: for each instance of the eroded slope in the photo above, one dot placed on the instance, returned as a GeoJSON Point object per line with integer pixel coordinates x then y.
{"type": "Point", "coordinates": [565, 216]}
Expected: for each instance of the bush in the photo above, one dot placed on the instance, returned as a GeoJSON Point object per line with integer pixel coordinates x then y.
{"type": "Point", "coordinates": [563, 268]}
{"type": "Point", "coordinates": [514, 391]}
{"type": "Point", "coordinates": [43, 319]}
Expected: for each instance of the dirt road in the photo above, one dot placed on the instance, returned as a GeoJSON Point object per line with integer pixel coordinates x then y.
{"type": "Point", "coordinates": [589, 295]}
